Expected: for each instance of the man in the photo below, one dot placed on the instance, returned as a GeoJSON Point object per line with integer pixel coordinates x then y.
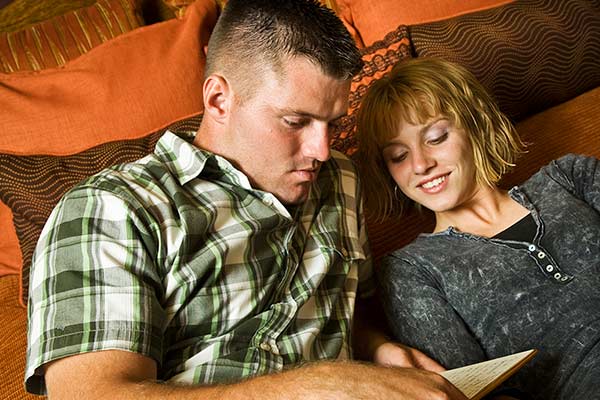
{"type": "Point", "coordinates": [226, 267]}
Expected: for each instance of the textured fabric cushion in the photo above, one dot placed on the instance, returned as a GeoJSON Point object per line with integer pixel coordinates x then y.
{"type": "Point", "coordinates": [32, 185]}
{"type": "Point", "coordinates": [369, 20]}
{"type": "Point", "coordinates": [379, 58]}
{"type": "Point", "coordinates": [570, 127]}
{"type": "Point", "coordinates": [53, 42]}
{"type": "Point", "coordinates": [530, 54]}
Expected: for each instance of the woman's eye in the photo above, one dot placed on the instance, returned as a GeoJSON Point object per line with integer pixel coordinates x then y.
{"type": "Point", "coordinates": [398, 158]}
{"type": "Point", "coordinates": [439, 139]}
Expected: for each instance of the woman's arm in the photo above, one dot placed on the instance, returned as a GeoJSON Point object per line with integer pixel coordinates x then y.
{"type": "Point", "coordinates": [420, 316]}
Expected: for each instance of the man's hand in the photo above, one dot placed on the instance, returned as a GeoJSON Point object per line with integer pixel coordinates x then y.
{"type": "Point", "coordinates": [392, 354]}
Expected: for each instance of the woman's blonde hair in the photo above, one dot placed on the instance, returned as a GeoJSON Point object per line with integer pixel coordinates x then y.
{"type": "Point", "coordinates": [414, 92]}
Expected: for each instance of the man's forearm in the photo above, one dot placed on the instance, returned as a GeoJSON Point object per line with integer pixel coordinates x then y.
{"type": "Point", "coordinates": [326, 380]}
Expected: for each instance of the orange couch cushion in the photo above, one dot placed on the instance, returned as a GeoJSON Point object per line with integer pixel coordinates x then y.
{"type": "Point", "coordinates": [125, 88]}
{"type": "Point", "coordinates": [13, 341]}
{"type": "Point", "coordinates": [53, 42]}
{"type": "Point", "coordinates": [369, 20]}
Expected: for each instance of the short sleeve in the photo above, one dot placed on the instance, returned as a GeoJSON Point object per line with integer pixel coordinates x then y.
{"type": "Point", "coordinates": [93, 283]}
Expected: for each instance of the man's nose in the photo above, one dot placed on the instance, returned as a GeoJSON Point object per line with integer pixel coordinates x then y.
{"type": "Point", "coordinates": [317, 142]}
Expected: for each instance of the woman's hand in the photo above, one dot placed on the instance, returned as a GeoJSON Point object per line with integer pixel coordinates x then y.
{"type": "Point", "coordinates": [397, 355]}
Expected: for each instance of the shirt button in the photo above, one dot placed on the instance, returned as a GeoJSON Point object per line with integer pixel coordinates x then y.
{"type": "Point", "coordinates": [268, 201]}
{"type": "Point", "coordinates": [557, 276]}
{"type": "Point", "coordinates": [541, 255]}
{"type": "Point", "coordinates": [531, 247]}
{"type": "Point", "coordinates": [265, 346]}
{"type": "Point", "coordinates": [549, 268]}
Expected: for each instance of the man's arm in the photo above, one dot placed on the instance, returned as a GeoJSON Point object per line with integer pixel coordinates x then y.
{"type": "Point", "coordinates": [116, 375]}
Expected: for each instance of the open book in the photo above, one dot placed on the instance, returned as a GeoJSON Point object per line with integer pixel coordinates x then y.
{"type": "Point", "coordinates": [477, 380]}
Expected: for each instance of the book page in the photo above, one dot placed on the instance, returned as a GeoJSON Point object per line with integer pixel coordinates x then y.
{"type": "Point", "coordinates": [477, 380]}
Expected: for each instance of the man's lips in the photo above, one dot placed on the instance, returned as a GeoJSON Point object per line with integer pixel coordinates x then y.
{"type": "Point", "coordinates": [309, 174]}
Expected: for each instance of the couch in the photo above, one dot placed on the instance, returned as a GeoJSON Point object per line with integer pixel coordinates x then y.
{"type": "Point", "coordinates": [86, 84]}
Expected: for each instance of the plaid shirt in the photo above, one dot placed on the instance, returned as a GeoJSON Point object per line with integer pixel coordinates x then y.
{"type": "Point", "coordinates": [176, 257]}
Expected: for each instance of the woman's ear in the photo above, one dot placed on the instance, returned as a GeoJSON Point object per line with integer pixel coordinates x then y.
{"type": "Point", "coordinates": [217, 97]}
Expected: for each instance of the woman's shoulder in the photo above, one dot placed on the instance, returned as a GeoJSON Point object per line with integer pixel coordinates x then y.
{"type": "Point", "coordinates": [565, 171]}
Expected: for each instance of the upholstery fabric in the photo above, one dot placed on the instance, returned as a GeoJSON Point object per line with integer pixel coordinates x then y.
{"type": "Point", "coordinates": [530, 54]}
{"type": "Point", "coordinates": [18, 14]}
{"type": "Point", "coordinates": [53, 42]}
{"type": "Point", "coordinates": [369, 21]}
{"type": "Point", "coordinates": [379, 58]}
{"type": "Point", "coordinates": [544, 132]}
{"type": "Point", "coordinates": [32, 185]}
{"type": "Point", "coordinates": [13, 341]}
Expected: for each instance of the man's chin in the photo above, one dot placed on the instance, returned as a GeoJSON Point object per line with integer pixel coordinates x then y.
{"type": "Point", "coordinates": [295, 196]}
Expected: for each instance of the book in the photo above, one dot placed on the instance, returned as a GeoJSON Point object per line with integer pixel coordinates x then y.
{"type": "Point", "coordinates": [477, 380]}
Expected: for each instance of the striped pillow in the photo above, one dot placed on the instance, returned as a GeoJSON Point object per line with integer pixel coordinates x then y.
{"type": "Point", "coordinates": [54, 42]}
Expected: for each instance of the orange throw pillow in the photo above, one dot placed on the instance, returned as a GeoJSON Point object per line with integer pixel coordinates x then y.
{"type": "Point", "coordinates": [369, 20]}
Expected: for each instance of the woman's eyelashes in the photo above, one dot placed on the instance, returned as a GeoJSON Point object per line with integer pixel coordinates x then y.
{"type": "Point", "coordinates": [398, 158]}
{"type": "Point", "coordinates": [438, 138]}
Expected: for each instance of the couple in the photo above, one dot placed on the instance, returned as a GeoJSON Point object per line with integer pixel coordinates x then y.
{"type": "Point", "coordinates": [234, 265]}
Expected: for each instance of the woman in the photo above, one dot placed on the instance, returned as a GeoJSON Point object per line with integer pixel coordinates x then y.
{"type": "Point", "coordinates": [503, 271]}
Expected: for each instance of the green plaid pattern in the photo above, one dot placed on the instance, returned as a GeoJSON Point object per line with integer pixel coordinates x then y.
{"type": "Point", "coordinates": [176, 257]}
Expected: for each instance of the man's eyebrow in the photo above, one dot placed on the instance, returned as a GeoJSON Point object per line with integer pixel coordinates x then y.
{"type": "Point", "coordinates": [310, 115]}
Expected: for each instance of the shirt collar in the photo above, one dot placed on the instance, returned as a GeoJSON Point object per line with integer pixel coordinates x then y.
{"type": "Point", "coordinates": [186, 161]}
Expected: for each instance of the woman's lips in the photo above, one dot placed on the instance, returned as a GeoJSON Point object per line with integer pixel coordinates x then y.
{"type": "Point", "coordinates": [434, 185]}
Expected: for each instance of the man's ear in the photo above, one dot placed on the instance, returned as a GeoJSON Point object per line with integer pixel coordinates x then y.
{"type": "Point", "coordinates": [217, 97]}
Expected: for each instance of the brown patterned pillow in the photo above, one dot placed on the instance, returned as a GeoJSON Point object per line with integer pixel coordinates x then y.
{"type": "Point", "coordinates": [379, 58]}
{"type": "Point", "coordinates": [32, 185]}
{"type": "Point", "coordinates": [530, 54]}
{"type": "Point", "coordinates": [54, 42]}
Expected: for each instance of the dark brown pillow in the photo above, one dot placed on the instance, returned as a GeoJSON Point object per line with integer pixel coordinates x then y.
{"type": "Point", "coordinates": [31, 186]}
{"type": "Point", "coordinates": [530, 54]}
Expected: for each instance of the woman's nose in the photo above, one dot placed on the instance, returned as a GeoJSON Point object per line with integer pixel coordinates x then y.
{"type": "Point", "coordinates": [422, 161]}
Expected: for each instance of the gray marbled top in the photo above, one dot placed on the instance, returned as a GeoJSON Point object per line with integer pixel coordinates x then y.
{"type": "Point", "coordinates": [464, 298]}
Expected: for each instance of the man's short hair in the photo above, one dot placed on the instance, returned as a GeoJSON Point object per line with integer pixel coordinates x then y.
{"type": "Point", "coordinates": [252, 36]}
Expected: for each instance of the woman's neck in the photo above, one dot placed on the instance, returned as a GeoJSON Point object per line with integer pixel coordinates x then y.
{"type": "Point", "coordinates": [490, 211]}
